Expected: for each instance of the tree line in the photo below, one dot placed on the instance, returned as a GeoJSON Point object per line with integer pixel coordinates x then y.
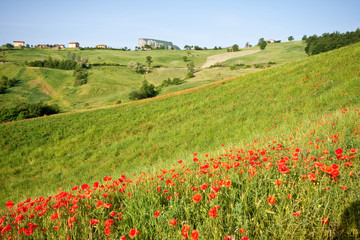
{"type": "Point", "coordinates": [330, 41]}
{"type": "Point", "coordinates": [27, 110]}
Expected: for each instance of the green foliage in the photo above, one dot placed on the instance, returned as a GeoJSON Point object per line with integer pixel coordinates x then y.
{"type": "Point", "coordinates": [137, 67]}
{"type": "Point", "coordinates": [174, 81]}
{"type": "Point", "coordinates": [198, 48]}
{"type": "Point", "coordinates": [191, 70]}
{"type": "Point", "coordinates": [27, 110]}
{"type": "Point", "coordinates": [262, 43]}
{"type": "Point", "coordinates": [185, 58]}
{"type": "Point", "coordinates": [81, 75]}
{"type": "Point", "coordinates": [147, 90]}
{"type": "Point", "coordinates": [149, 60]}
{"type": "Point", "coordinates": [9, 46]}
{"type": "Point", "coordinates": [290, 38]}
{"type": "Point", "coordinates": [235, 48]}
{"type": "Point", "coordinates": [304, 38]}
{"type": "Point", "coordinates": [70, 63]}
{"type": "Point", "coordinates": [6, 83]}
{"type": "Point", "coordinates": [328, 42]}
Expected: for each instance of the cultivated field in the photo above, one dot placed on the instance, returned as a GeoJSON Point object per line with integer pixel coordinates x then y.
{"type": "Point", "coordinates": [272, 154]}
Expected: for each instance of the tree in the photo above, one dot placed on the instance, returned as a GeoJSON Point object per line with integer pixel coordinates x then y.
{"type": "Point", "coordinates": [147, 90]}
{"type": "Point", "coordinates": [290, 38]}
{"type": "Point", "coordinates": [9, 46]}
{"type": "Point", "coordinates": [185, 58]}
{"type": "Point", "coordinates": [191, 71]}
{"type": "Point", "coordinates": [187, 47]}
{"type": "Point", "coordinates": [262, 43]}
{"type": "Point", "coordinates": [304, 38]}
{"type": "Point", "coordinates": [235, 48]}
{"type": "Point", "coordinates": [149, 60]}
{"type": "Point", "coordinates": [247, 45]}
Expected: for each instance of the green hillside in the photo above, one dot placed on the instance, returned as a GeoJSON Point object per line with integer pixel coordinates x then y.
{"type": "Point", "coordinates": [109, 85]}
{"type": "Point", "coordinates": [269, 155]}
{"type": "Point", "coordinates": [52, 151]}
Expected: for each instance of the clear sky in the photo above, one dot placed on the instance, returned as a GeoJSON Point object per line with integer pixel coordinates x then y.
{"type": "Point", "coordinates": [206, 23]}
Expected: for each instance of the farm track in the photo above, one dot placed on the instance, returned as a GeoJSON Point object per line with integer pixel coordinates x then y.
{"type": "Point", "coordinates": [226, 56]}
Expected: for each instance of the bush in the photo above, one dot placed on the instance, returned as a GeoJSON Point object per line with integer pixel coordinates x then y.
{"type": "Point", "coordinates": [27, 110]}
{"type": "Point", "coordinates": [175, 81]}
{"type": "Point", "coordinates": [146, 91]}
{"type": "Point", "coordinates": [81, 75]}
{"type": "Point", "coordinates": [6, 83]}
{"type": "Point", "coordinates": [137, 67]}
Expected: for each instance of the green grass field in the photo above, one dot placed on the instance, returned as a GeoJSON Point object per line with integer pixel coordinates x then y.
{"type": "Point", "coordinates": [108, 85]}
{"type": "Point", "coordinates": [273, 154]}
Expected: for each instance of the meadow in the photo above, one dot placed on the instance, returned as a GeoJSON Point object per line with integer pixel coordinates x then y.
{"type": "Point", "coordinates": [272, 154]}
{"type": "Point", "coordinates": [110, 85]}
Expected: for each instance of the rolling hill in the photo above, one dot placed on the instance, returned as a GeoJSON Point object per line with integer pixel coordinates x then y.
{"type": "Point", "coordinates": [276, 148]}
{"type": "Point", "coordinates": [110, 81]}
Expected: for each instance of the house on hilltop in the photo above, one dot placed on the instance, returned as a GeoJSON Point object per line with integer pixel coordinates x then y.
{"type": "Point", "coordinates": [43, 45]}
{"type": "Point", "coordinates": [74, 45]}
{"type": "Point", "coordinates": [19, 44]}
{"type": "Point", "coordinates": [101, 46]}
{"type": "Point", "coordinates": [271, 41]}
{"type": "Point", "coordinates": [59, 46]}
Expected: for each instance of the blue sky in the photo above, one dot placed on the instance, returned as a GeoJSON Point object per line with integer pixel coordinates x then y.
{"type": "Point", "coordinates": [208, 23]}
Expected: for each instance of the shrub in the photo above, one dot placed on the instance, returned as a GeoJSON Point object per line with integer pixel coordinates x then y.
{"type": "Point", "coordinates": [146, 91]}
{"type": "Point", "coordinates": [27, 110]}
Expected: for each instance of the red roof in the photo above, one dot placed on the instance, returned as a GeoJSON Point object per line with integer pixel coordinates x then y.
{"type": "Point", "coordinates": [20, 41]}
{"type": "Point", "coordinates": [74, 43]}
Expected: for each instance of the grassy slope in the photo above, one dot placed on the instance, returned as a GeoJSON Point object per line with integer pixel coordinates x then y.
{"type": "Point", "coordinates": [42, 154]}
{"type": "Point", "coordinates": [107, 85]}
{"type": "Point", "coordinates": [277, 52]}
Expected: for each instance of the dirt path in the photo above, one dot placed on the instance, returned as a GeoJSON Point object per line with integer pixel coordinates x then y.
{"type": "Point", "coordinates": [225, 56]}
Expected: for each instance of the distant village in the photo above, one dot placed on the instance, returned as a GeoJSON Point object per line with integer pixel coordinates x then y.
{"type": "Point", "coordinates": [53, 46]}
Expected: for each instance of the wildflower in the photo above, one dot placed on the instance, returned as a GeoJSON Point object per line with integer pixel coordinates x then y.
{"type": "Point", "coordinates": [196, 198]}
{"type": "Point", "coordinates": [133, 232]}
{"type": "Point", "coordinates": [227, 238]}
{"type": "Point", "coordinates": [271, 200]}
{"type": "Point", "coordinates": [296, 214]}
{"type": "Point", "coordinates": [244, 238]}
{"type": "Point", "coordinates": [203, 186]}
{"type": "Point", "coordinates": [107, 231]}
{"type": "Point", "coordinates": [278, 182]}
{"type": "Point", "coordinates": [344, 188]}
{"type": "Point", "coordinates": [289, 196]}
{"type": "Point", "coordinates": [112, 213]}
{"type": "Point", "coordinates": [352, 151]}
{"type": "Point", "coordinates": [173, 222]}
{"type": "Point", "coordinates": [212, 195]}
{"type": "Point", "coordinates": [241, 230]}
{"type": "Point", "coordinates": [212, 213]}
{"type": "Point", "coordinates": [194, 235]}
{"type": "Point", "coordinates": [156, 214]}
{"type": "Point", "coordinates": [9, 204]}
{"type": "Point", "coordinates": [109, 222]}
{"type": "Point", "coordinates": [84, 186]}
{"type": "Point", "coordinates": [338, 151]}
{"type": "Point", "coordinates": [94, 221]}
{"type": "Point", "coordinates": [324, 221]}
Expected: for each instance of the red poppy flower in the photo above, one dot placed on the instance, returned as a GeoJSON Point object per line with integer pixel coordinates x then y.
{"type": "Point", "coordinates": [271, 200]}
{"type": "Point", "coordinates": [9, 204]}
{"type": "Point", "coordinates": [245, 238]}
{"type": "Point", "coordinates": [241, 230]}
{"type": "Point", "coordinates": [338, 151]}
{"type": "Point", "coordinates": [194, 235]}
{"type": "Point", "coordinates": [84, 186]}
{"type": "Point", "coordinates": [324, 221]}
{"type": "Point", "coordinates": [107, 231]}
{"type": "Point", "coordinates": [173, 222]}
{"type": "Point", "coordinates": [109, 222]}
{"type": "Point", "coordinates": [212, 195]}
{"type": "Point", "coordinates": [133, 232]}
{"type": "Point", "coordinates": [113, 213]}
{"type": "Point", "coordinates": [353, 151]}
{"type": "Point", "coordinates": [203, 186]}
{"type": "Point", "coordinates": [227, 238]}
{"type": "Point", "coordinates": [289, 196]}
{"type": "Point", "coordinates": [156, 214]}
{"type": "Point", "coordinates": [197, 197]}
{"type": "Point", "coordinates": [94, 221]}
{"type": "Point", "coordinates": [278, 182]}
{"type": "Point", "coordinates": [212, 213]}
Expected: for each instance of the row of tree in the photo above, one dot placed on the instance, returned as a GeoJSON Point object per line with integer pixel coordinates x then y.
{"type": "Point", "coordinates": [329, 41]}
{"type": "Point", "coordinates": [27, 110]}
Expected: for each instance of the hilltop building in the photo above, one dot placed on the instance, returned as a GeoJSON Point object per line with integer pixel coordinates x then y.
{"type": "Point", "coordinates": [101, 46]}
{"type": "Point", "coordinates": [19, 44]}
{"type": "Point", "coordinates": [43, 45]}
{"type": "Point", "coordinates": [271, 41]}
{"type": "Point", "coordinates": [59, 46]}
{"type": "Point", "coordinates": [74, 45]}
